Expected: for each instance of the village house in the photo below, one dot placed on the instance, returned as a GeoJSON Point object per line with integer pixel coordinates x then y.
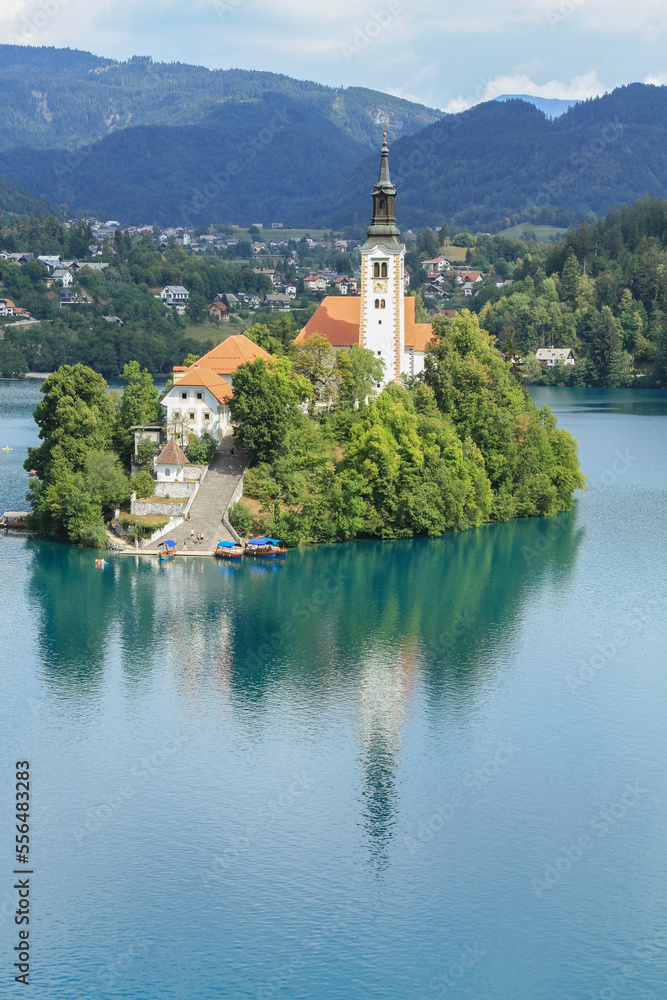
{"type": "Point", "coordinates": [551, 356]}
{"type": "Point", "coordinates": [438, 264]}
{"type": "Point", "coordinates": [61, 275]}
{"type": "Point", "coordinates": [315, 283]}
{"type": "Point", "coordinates": [346, 286]}
{"type": "Point", "coordinates": [278, 301]}
{"type": "Point", "coordinates": [176, 296]}
{"type": "Point", "coordinates": [219, 310]}
{"type": "Point", "coordinates": [7, 308]}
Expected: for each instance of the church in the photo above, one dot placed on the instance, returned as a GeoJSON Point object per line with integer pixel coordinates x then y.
{"type": "Point", "coordinates": [382, 318]}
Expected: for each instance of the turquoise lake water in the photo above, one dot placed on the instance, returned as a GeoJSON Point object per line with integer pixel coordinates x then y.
{"type": "Point", "coordinates": [419, 769]}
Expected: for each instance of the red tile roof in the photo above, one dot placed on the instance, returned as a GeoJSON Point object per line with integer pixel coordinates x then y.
{"type": "Point", "coordinates": [227, 356]}
{"type": "Point", "coordinates": [196, 375]}
{"type": "Point", "coordinates": [171, 455]}
{"type": "Point", "coordinates": [338, 319]}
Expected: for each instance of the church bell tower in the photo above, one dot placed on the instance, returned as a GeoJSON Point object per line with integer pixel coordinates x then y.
{"type": "Point", "coordinates": [382, 328]}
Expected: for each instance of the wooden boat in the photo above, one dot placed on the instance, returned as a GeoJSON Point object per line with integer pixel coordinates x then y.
{"type": "Point", "coordinates": [229, 550]}
{"type": "Point", "coordinates": [265, 548]}
{"type": "Point", "coordinates": [17, 519]}
{"type": "Point", "coordinates": [166, 550]}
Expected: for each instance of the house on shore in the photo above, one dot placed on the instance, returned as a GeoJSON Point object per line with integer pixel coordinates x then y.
{"type": "Point", "coordinates": [170, 464]}
{"type": "Point", "coordinates": [551, 356]}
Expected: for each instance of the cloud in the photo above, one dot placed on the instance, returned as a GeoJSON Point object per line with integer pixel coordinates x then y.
{"type": "Point", "coordinates": [578, 89]}
{"type": "Point", "coordinates": [657, 79]}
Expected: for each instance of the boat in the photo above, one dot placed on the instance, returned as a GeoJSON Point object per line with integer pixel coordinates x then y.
{"type": "Point", "coordinates": [265, 548]}
{"type": "Point", "coordinates": [166, 550]}
{"type": "Point", "coordinates": [17, 519]}
{"type": "Point", "coordinates": [6, 448]}
{"type": "Point", "coordinates": [229, 550]}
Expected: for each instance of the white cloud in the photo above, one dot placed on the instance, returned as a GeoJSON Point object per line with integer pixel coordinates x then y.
{"type": "Point", "coordinates": [578, 89]}
{"type": "Point", "coordinates": [657, 79]}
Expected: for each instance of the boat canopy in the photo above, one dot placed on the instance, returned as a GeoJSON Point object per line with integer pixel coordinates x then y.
{"type": "Point", "coordinates": [227, 545]}
{"type": "Point", "coordinates": [170, 543]}
{"type": "Point", "coordinates": [263, 541]}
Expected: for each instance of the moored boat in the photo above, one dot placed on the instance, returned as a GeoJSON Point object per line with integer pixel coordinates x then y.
{"type": "Point", "coordinates": [265, 548]}
{"type": "Point", "coordinates": [166, 550]}
{"type": "Point", "coordinates": [229, 550]}
{"type": "Point", "coordinates": [17, 519]}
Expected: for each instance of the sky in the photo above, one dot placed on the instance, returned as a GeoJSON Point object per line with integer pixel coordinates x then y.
{"type": "Point", "coordinates": [446, 55]}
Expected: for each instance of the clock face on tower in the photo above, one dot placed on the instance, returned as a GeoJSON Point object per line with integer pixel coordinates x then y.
{"type": "Point", "coordinates": [380, 286]}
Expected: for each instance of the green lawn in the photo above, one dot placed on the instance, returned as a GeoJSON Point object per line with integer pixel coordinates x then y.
{"type": "Point", "coordinates": [542, 233]}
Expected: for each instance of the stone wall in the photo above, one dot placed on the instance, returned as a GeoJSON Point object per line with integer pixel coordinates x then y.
{"type": "Point", "coordinates": [196, 472]}
{"type": "Point", "coordinates": [157, 507]}
{"type": "Point", "coordinates": [176, 489]}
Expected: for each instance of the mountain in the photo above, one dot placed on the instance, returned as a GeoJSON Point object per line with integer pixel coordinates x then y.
{"type": "Point", "coordinates": [269, 158]}
{"type": "Point", "coordinates": [551, 106]}
{"type": "Point", "coordinates": [62, 98]}
{"type": "Point", "coordinates": [15, 201]}
{"type": "Point", "coordinates": [505, 162]}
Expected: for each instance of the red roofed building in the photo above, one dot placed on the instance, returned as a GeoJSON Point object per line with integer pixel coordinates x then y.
{"type": "Point", "coordinates": [198, 401]}
{"type": "Point", "coordinates": [381, 319]}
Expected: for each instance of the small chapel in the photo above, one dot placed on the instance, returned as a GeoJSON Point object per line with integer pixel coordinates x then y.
{"type": "Point", "coordinates": [382, 317]}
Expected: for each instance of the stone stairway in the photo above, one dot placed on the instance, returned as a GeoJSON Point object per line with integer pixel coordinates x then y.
{"type": "Point", "coordinates": [211, 501]}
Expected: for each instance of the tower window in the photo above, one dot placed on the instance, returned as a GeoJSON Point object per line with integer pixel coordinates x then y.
{"type": "Point", "coordinates": [382, 304]}
{"type": "Point", "coordinates": [384, 271]}
{"type": "Point", "coordinates": [377, 303]}
{"type": "Point", "coordinates": [376, 270]}
{"type": "Point", "coordinates": [383, 205]}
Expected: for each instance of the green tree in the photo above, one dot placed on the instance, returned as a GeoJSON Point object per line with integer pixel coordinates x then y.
{"type": "Point", "coordinates": [75, 416]}
{"type": "Point", "coordinates": [266, 405]}
{"type": "Point", "coordinates": [314, 358]}
{"type": "Point", "coordinates": [106, 481]}
{"type": "Point", "coordinates": [605, 344]}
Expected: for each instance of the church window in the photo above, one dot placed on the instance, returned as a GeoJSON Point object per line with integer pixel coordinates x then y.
{"type": "Point", "coordinates": [377, 303]}
{"type": "Point", "coordinates": [382, 304]}
{"type": "Point", "coordinates": [379, 354]}
{"type": "Point", "coordinates": [384, 270]}
{"type": "Point", "coordinates": [383, 205]}
{"type": "Point", "coordinates": [376, 270]}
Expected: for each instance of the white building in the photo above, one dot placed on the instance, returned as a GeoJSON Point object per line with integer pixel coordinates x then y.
{"type": "Point", "coordinates": [61, 275]}
{"type": "Point", "coordinates": [175, 295]}
{"type": "Point", "coordinates": [550, 356]}
{"type": "Point", "coordinates": [382, 318]}
{"type": "Point", "coordinates": [170, 464]}
{"type": "Point", "coordinates": [197, 403]}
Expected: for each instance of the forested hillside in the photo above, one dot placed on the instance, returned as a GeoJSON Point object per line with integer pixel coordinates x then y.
{"type": "Point", "coordinates": [602, 291]}
{"type": "Point", "coordinates": [266, 159]}
{"type": "Point", "coordinates": [502, 163]}
{"type": "Point", "coordinates": [62, 98]}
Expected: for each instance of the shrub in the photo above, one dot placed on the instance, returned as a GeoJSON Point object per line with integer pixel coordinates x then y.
{"type": "Point", "coordinates": [202, 450]}
{"type": "Point", "coordinates": [144, 484]}
{"type": "Point", "coordinates": [241, 519]}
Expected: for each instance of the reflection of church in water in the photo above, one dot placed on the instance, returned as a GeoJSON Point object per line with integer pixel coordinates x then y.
{"type": "Point", "coordinates": [385, 693]}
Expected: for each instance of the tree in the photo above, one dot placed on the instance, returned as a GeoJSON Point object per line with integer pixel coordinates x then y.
{"type": "Point", "coordinates": [605, 343]}
{"type": "Point", "coordinates": [266, 405]}
{"type": "Point", "coordinates": [146, 452]}
{"type": "Point", "coordinates": [106, 480]}
{"type": "Point", "coordinates": [367, 372]}
{"type": "Point", "coordinates": [570, 277]}
{"type": "Point", "coordinates": [314, 358]}
{"type": "Point", "coordinates": [75, 416]}
{"type": "Point", "coordinates": [201, 450]}
{"type": "Point", "coordinates": [139, 404]}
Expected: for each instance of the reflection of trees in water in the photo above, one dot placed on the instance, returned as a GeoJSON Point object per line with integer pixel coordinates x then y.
{"type": "Point", "coordinates": [360, 622]}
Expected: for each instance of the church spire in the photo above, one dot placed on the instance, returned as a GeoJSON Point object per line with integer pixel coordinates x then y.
{"type": "Point", "coordinates": [383, 225]}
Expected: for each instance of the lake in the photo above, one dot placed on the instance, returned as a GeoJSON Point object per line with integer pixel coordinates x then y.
{"type": "Point", "coordinates": [416, 769]}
